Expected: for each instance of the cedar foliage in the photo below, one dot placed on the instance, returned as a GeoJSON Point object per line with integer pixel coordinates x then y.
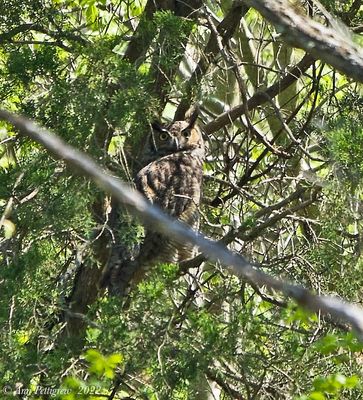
{"type": "Point", "coordinates": [283, 186]}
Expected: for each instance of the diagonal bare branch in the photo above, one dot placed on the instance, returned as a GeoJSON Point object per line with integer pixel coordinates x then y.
{"type": "Point", "coordinates": [160, 222]}
{"type": "Point", "coordinates": [261, 97]}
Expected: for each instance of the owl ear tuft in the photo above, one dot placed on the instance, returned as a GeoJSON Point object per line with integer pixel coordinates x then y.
{"type": "Point", "coordinates": [156, 126]}
{"type": "Point", "coordinates": [192, 114]}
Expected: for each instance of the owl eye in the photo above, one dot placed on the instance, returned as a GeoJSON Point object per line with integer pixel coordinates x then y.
{"type": "Point", "coordinates": [186, 133]}
{"type": "Point", "coordinates": [163, 136]}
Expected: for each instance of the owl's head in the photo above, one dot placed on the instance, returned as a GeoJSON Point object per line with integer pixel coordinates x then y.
{"type": "Point", "coordinates": [175, 137]}
{"type": "Point", "coordinates": [178, 136]}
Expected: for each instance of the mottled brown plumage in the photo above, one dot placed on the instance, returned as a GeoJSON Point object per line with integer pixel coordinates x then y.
{"type": "Point", "coordinates": [172, 179]}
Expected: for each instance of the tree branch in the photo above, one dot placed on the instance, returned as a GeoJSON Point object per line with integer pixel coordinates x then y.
{"type": "Point", "coordinates": [261, 97]}
{"type": "Point", "coordinates": [160, 222]}
{"type": "Point", "coordinates": [325, 43]}
{"type": "Point", "coordinates": [225, 29]}
{"type": "Point", "coordinates": [8, 36]}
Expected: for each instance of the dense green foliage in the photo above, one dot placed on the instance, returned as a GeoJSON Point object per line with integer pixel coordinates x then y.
{"type": "Point", "coordinates": [283, 186]}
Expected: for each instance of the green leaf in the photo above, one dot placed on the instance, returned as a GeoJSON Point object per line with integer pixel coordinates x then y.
{"type": "Point", "coordinates": [87, 2]}
{"type": "Point", "coordinates": [114, 359]}
{"type": "Point", "coordinates": [352, 382]}
{"type": "Point", "coordinates": [327, 344]}
{"type": "Point", "coordinates": [91, 15]}
{"type": "Point", "coordinates": [316, 396]}
{"type": "Point", "coordinates": [92, 335]}
{"type": "Point", "coordinates": [9, 228]}
{"type": "Point", "coordinates": [22, 337]}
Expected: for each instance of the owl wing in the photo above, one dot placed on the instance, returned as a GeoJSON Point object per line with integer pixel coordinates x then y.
{"type": "Point", "coordinates": [173, 183]}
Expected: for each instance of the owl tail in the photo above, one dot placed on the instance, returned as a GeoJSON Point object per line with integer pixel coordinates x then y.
{"type": "Point", "coordinates": [118, 274]}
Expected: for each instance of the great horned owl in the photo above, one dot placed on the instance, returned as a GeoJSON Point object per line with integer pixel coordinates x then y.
{"type": "Point", "coordinates": [172, 179]}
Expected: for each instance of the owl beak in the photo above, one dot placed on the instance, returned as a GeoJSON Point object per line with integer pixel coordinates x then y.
{"type": "Point", "coordinates": [176, 143]}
